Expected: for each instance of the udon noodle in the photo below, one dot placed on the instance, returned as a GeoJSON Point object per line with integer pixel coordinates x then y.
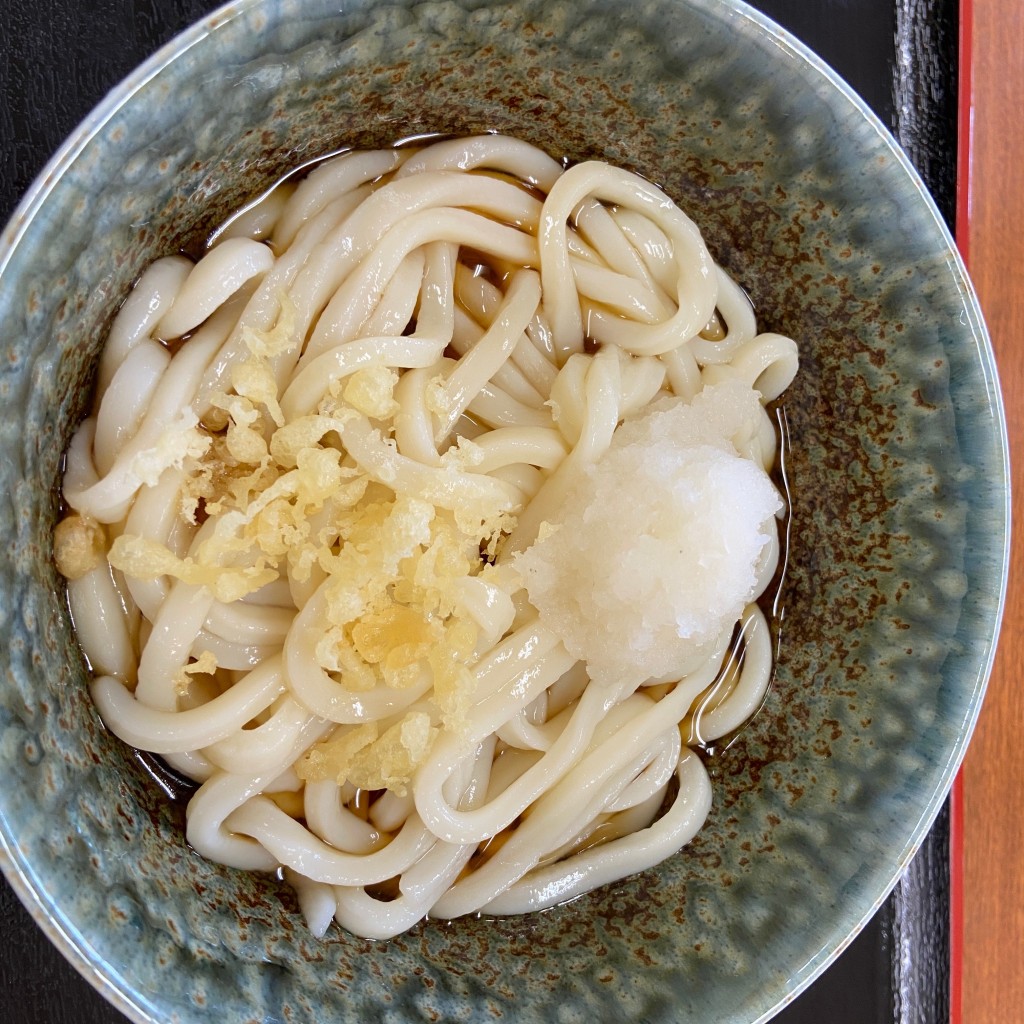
{"type": "Point", "coordinates": [421, 523]}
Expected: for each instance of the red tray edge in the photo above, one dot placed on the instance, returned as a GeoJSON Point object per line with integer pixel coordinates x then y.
{"type": "Point", "coordinates": [965, 132]}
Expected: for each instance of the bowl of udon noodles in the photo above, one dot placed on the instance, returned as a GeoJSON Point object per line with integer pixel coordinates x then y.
{"type": "Point", "coordinates": [506, 515]}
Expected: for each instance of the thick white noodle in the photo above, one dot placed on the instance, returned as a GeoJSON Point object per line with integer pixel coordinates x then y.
{"type": "Point", "coordinates": [153, 295]}
{"type": "Point", "coordinates": [767, 363]}
{"type": "Point", "coordinates": [496, 152]}
{"type": "Point", "coordinates": [215, 278]}
{"type": "Point", "coordinates": [696, 289]}
{"type": "Point", "coordinates": [325, 183]}
{"type": "Point", "coordinates": [102, 624]}
{"type": "Point", "coordinates": [258, 220]}
{"type": "Point", "coordinates": [126, 399]}
{"type": "Point", "coordinates": [515, 313]}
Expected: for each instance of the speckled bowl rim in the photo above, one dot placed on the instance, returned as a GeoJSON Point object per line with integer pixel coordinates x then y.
{"type": "Point", "coordinates": [32, 890]}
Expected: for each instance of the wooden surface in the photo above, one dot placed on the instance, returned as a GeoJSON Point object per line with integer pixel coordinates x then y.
{"type": "Point", "coordinates": [993, 803]}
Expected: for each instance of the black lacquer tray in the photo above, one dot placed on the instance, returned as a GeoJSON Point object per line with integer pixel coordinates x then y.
{"type": "Point", "coordinates": [57, 60]}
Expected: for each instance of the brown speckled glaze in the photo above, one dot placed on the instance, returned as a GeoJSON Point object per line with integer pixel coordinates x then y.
{"type": "Point", "coordinates": [896, 460]}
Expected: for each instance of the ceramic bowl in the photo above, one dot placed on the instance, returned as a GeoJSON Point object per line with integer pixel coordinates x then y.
{"type": "Point", "coordinates": [895, 458]}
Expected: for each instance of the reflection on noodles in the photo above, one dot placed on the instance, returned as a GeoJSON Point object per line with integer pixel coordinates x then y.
{"type": "Point", "coordinates": [421, 523]}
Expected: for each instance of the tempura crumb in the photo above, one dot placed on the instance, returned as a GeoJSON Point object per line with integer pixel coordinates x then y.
{"type": "Point", "coordinates": [79, 545]}
{"type": "Point", "coordinates": [371, 391]}
{"type": "Point", "coordinates": [370, 760]}
{"type": "Point", "coordinates": [205, 664]}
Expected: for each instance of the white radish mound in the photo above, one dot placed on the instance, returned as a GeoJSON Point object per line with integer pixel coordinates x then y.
{"type": "Point", "coordinates": [654, 552]}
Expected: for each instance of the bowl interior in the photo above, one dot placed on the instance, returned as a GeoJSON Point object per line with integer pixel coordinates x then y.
{"type": "Point", "coordinates": [894, 457]}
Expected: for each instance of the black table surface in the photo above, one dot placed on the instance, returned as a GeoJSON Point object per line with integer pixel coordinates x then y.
{"type": "Point", "coordinates": [61, 56]}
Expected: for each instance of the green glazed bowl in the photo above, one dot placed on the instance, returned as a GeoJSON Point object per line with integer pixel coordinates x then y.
{"type": "Point", "coordinates": [896, 461]}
